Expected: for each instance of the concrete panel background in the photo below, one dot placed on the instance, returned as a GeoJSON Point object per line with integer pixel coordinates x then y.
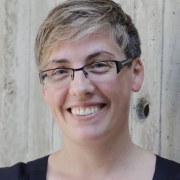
{"type": "Point", "coordinates": [147, 131]}
{"type": "Point", "coordinates": [27, 130]}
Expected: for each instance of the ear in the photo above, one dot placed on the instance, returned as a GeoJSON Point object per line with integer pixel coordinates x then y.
{"type": "Point", "coordinates": [138, 74]}
{"type": "Point", "coordinates": [44, 93]}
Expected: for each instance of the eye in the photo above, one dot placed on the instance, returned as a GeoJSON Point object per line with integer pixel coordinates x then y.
{"type": "Point", "coordinates": [99, 67]}
{"type": "Point", "coordinates": [59, 74]}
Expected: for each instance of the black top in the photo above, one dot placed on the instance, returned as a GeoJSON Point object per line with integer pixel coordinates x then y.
{"type": "Point", "coordinates": [36, 170]}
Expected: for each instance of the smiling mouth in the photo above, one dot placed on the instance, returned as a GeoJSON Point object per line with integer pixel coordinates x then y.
{"type": "Point", "coordinates": [84, 111]}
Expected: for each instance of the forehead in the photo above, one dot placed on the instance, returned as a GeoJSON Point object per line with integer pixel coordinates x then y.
{"type": "Point", "coordinates": [99, 45]}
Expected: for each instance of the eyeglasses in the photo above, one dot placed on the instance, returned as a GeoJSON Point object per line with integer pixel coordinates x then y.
{"type": "Point", "coordinates": [98, 71]}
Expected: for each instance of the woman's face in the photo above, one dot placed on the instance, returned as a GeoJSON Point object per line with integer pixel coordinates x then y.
{"type": "Point", "coordinates": [87, 110]}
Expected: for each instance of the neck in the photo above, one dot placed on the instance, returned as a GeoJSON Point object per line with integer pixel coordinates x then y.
{"type": "Point", "coordinates": [97, 156]}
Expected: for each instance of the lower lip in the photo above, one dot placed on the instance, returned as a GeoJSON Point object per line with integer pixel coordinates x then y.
{"type": "Point", "coordinates": [90, 117]}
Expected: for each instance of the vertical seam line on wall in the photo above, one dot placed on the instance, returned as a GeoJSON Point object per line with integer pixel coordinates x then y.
{"type": "Point", "coordinates": [29, 76]}
{"type": "Point", "coordinates": [161, 77]}
{"type": "Point", "coordinates": [134, 11]}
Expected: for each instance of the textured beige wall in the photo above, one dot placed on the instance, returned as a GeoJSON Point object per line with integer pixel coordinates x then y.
{"type": "Point", "coordinates": [27, 130]}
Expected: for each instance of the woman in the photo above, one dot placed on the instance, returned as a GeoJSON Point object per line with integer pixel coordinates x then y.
{"type": "Point", "coordinates": [88, 55]}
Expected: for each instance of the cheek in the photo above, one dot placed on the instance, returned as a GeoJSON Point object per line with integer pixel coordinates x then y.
{"type": "Point", "coordinates": [56, 99]}
{"type": "Point", "coordinates": [117, 91]}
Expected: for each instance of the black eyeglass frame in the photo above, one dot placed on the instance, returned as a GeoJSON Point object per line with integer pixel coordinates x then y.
{"type": "Point", "coordinates": [119, 66]}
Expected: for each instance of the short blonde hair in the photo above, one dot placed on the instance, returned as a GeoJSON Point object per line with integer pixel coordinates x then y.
{"type": "Point", "coordinates": [75, 19]}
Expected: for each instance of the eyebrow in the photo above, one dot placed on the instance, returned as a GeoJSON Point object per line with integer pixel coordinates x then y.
{"type": "Point", "coordinates": [99, 53]}
{"type": "Point", "coordinates": [88, 58]}
{"type": "Point", "coordinates": [59, 61]}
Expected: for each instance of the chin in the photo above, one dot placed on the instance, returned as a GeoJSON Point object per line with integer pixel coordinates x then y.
{"type": "Point", "coordinates": [90, 134]}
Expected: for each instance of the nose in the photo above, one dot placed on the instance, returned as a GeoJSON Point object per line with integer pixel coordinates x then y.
{"type": "Point", "coordinates": [81, 86]}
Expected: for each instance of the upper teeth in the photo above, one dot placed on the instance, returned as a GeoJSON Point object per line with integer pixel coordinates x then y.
{"type": "Point", "coordinates": [82, 111]}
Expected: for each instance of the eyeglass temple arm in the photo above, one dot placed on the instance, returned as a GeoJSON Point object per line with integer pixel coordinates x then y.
{"type": "Point", "coordinates": [126, 62]}
{"type": "Point", "coordinates": [122, 64]}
